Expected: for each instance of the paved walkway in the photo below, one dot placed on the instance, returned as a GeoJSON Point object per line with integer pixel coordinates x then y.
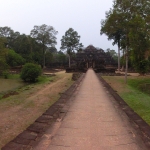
{"type": "Point", "coordinates": [93, 122]}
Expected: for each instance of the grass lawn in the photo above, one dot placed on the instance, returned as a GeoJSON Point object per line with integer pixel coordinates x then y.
{"type": "Point", "coordinates": [10, 84]}
{"type": "Point", "coordinates": [14, 83]}
{"type": "Point", "coordinates": [136, 93]}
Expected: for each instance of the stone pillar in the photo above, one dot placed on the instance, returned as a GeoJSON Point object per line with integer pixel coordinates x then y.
{"type": "Point", "coordinates": [87, 65]}
{"type": "Point", "coordinates": [94, 64]}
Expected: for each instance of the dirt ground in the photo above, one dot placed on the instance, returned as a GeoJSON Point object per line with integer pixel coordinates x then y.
{"type": "Point", "coordinates": [19, 111]}
{"type": "Point", "coordinates": [131, 74]}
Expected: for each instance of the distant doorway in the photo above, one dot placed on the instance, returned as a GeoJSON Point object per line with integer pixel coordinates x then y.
{"type": "Point", "coordinates": [90, 64]}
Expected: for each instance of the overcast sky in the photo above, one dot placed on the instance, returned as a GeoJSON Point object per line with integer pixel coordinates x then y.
{"type": "Point", "coordinates": [84, 16]}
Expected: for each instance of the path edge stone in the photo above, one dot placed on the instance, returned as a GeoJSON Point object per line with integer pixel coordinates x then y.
{"type": "Point", "coordinates": [31, 136]}
{"type": "Point", "coordinates": [139, 123]}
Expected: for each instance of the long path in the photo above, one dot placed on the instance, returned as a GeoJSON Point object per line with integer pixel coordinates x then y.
{"type": "Point", "coordinates": [93, 122]}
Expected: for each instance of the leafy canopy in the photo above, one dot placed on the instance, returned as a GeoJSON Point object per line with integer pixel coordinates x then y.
{"type": "Point", "coordinates": [13, 59]}
{"type": "Point", "coordinates": [127, 24]}
{"type": "Point", "coordinates": [71, 41]}
{"type": "Point", "coordinates": [46, 36]}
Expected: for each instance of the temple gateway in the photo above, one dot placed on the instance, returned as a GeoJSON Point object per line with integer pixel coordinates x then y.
{"type": "Point", "coordinates": [91, 57]}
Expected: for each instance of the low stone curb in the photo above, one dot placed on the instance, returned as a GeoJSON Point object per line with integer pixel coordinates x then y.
{"type": "Point", "coordinates": [139, 123]}
{"type": "Point", "coordinates": [30, 137]}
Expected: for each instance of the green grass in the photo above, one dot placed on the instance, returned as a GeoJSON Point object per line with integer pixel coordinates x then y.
{"type": "Point", "coordinates": [132, 94]}
{"type": "Point", "coordinates": [14, 76]}
{"type": "Point", "coordinates": [44, 79]}
{"type": "Point", "coordinates": [142, 84]}
{"type": "Point", "coordinates": [7, 85]}
{"type": "Point", "coordinates": [138, 101]}
{"type": "Point", "coordinates": [14, 83]}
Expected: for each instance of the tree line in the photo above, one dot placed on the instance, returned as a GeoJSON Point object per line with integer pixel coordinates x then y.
{"type": "Point", "coordinates": [39, 47]}
{"type": "Point", "coordinates": [127, 24]}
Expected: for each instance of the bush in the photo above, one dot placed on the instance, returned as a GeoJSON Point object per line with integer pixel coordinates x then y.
{"type": "Point", "coordinates": [143, 67]}
{"type": "Point", "coordinates": [13, 59]}
{"type": "Point", "coordinates": [30, 72]}
{"type": "Point", "coordinates": [5, 74]}
{"type": "Point", "coordinates": [3, 66]}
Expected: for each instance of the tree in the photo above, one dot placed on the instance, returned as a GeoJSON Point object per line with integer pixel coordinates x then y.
{"type": "Point", "coordinates": [111, 26]}
{"type": "Point", "coordinates": [22, 46]}
{"type": "Point", "coordinates": [9, 34]}
{"type": "Point", "coordinates": [46, 36]}
{"type": "Point", "coordinates": [133, 27]}
{"type": "Point", "coordinates": [48, 58]}
{"type": "Point", "coordinates": [52, 49]}
{"type": "Point", "coordinates": [28, 48]}
{"type": "Point", "coordinates": [61, 57]}
{"type": "Point", "coordinates": [70, 42]}
{"type": "Point", "coordinates": [13, 59]}
{"type": "Point", "coordinates": [112, 53]}
{"type": "Point", "coordinates": [136, 26]}
{"type": "Point", "coordinates": [6, 31]}
{"type": "Point", "coordinates": [3, 53]}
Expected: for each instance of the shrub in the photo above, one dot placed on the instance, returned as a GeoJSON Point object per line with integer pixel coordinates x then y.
{"type": "Point", "coordinates": [30, 72]}
{"type": "Point", "coordinates": [5, 74]}
{"type": "Point", "coordinates": [143, 67]}
{"type": "Point", "coordinates": [3, 66]}
{"type": "Point", "coordinates": [13, 59]}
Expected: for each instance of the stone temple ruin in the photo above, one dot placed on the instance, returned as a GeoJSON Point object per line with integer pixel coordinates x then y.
{"type": "Point", "coordinates": [91, 57]}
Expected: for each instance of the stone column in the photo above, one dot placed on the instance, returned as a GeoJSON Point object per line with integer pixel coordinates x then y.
{"type": "Point", "coordinates": [94, 64]}
{"type": "Point", "coordinates": [87, 65]}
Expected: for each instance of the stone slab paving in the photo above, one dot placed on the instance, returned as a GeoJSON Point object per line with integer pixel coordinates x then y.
{"type": "Point", "coordinates": [93, 123]}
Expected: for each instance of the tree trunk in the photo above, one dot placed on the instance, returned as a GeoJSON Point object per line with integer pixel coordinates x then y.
{"type": "Point", "coordinates": [69, 60]}
{"type": "Point", "coordinates": [126, 70]}
{"type": "Point", "coordinates": [44, 61]}
{"type": "Point", "coordinates": [119, 58]}
{"type": "Point", "coordinates": [43, 58]}
{"type": "Point", "coordinates": [123, 65]}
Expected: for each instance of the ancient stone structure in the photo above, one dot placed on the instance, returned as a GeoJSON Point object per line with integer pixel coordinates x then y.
{"type": "Point", "coordinates": [91, 57]}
